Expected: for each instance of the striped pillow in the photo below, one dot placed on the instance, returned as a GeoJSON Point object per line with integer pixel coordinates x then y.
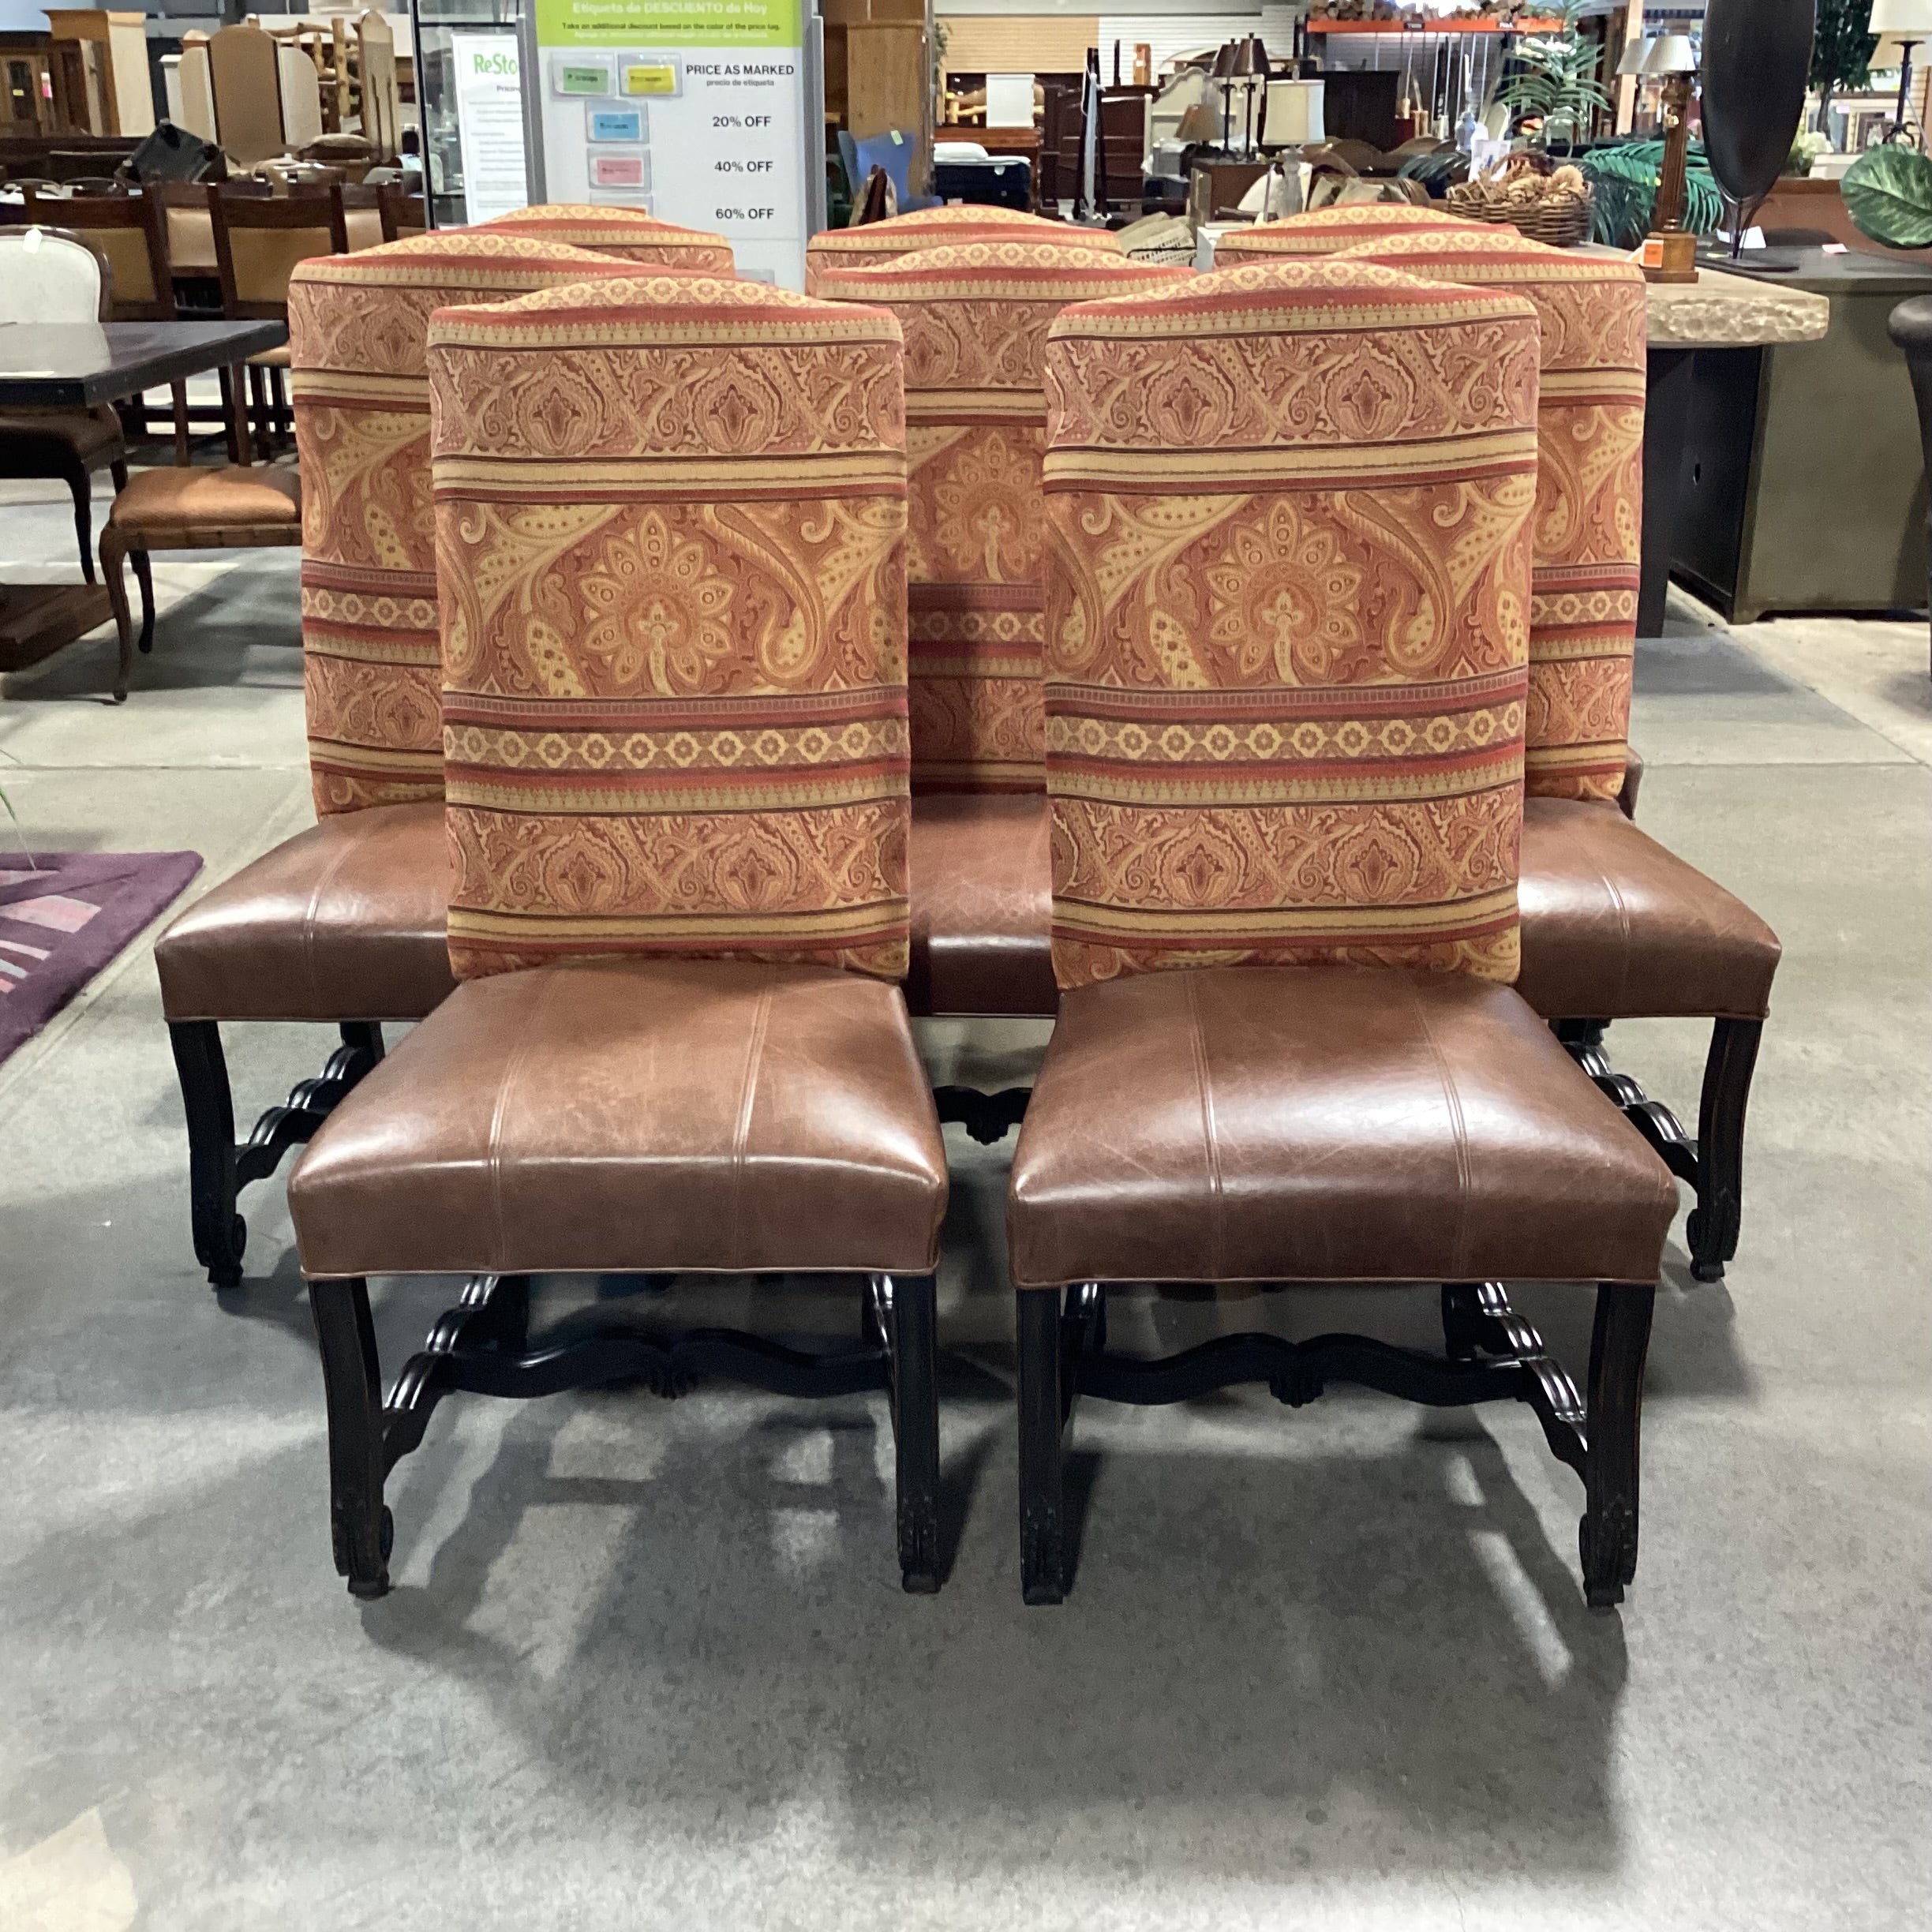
{"type": "Point", "coordinates": [1588, 543]}
{"type": "Point", "coordinates": [975, 317]}
{"type": "Point", "coordinates": [670, 525]}
{"type": "Point", "coordinates": [628, 234]}
{"type": "Point", "coordinates": [358, 323]}
{"type": "Point", "coordinates": [1288, 566]}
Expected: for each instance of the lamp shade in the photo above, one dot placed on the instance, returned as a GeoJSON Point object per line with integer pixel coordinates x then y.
{"type": "Point", "coordinates": [1912, 17]}
{"type": "Point", "coordinates": [1670, 53]}
{"type": "Point", "coordinates": [1224, 61]}
{"type": "Point", "coordinates": [1635, 52]}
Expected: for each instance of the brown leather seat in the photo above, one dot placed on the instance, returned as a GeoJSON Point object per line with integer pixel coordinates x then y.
{"type": "Point", "coordinates": [345, 921]}
{"type": "Point", "coordinates": [1278, 1124]}
{"type": "Point", "coordinates": [1615, 926]}
{"type": "Point", "coordinates": [671, 1113]}
{"type": "Point", "coordinates": [982, 881]}
{"type": "Point", "coordinates": [164, 509]}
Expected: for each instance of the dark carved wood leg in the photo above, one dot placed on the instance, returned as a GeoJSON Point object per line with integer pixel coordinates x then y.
{"type": "Point", "coordinates": [911, 1318]}
{"type": "Point", "coordinates": [1712, 1229]}
{"type": "Point", "coordinates": [81, 487]}
{"type": "Point", "coordinates": [144, 575]}
{"type": "Point", "coordinates": [1043, 1557]}
{"type": "Point", "coordinates": [362, 1527]}
{"type": "Point", "coordinates": [220, 1234]}
{"type": "Point", "coordinates": [1607, 1534]}
{"type": "Point", "coordinates": [114, 550]}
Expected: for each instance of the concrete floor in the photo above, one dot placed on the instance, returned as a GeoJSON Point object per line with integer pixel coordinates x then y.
{"type": "Point", "coordinates": [648, 1664]}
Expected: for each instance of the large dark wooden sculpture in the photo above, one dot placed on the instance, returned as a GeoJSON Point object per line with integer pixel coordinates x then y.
{"type": "Point", "coordinates": [1757, 54]}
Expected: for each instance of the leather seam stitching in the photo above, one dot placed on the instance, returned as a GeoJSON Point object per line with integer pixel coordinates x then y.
{"type": "Point", "coordinates": [1217, 1210]}
{"type": "Point", "coordinates": [327, 879]}
{"type": "Point", "coordinates": [1453, 1102]}
{"type": "Point", "coordinates": [1624, 935]}
{"type": "Point", "coordinates": [501, 1107]}
{"type": "Point", "coordinates": [748, 1097]}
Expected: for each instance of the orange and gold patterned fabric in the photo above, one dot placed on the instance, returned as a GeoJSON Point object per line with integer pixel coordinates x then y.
{"type": "Point", "coordinates": [1327, 231]}
{"type": "Point", "coordinates": [975, 317]}
{"type": "Point", "coordinates": [1588, 526]}
{"type": "Point", "coordinates": [357, 323]}
{"type": "Point", "coordinates": [628, 234]}
{"type": "Point", "coordinates": [952, 226]}
{"type": "Point", "coordinates": [670, 539]}
{"type": "Point", "coordinates": [1288, 585]}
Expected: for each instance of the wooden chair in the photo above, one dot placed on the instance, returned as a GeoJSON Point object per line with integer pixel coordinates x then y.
{"type": "Point", "coordinates": [129, 232]}
{"type": "Point", "coordinates": [257, 243]}
{"type": "Point", "coordinates": [368, 216]}
{"type": "Point", "coordinates": [46, 275]}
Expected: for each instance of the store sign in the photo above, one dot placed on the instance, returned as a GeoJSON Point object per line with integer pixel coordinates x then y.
{"type": "Point", "coordinates": [489, 123]}
{"type": "Point", "coordinates": [692, 110]}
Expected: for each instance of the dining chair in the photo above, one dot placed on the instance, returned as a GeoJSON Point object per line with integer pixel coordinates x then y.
{"type": "Point", "coordinates": [1317, 232]}
{"type": "Point", "coordinates": [343, 924]}
{"type": "Point", "coordinates": [1615, 926]}
{"type": "Point", "coordinates": [49, 275]}
{"type": "Point", "coordinates": [951, 226]}
{"type": "Point", "coordinates": [976, 316]}
{"type": "Point", "coordinates": [1289, 572]}
{"type": "Point", "coordinates": [677, 1044]}
{"type": "Point", "coordinates": [628, 234]}
{"type": "Point", "coordinates": [129, 234]}
{"type": "Point", "coordinates": [258, 242]}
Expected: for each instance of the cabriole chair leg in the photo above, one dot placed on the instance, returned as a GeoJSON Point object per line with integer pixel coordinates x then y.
{"type": "Point", "coordinates": [1607, 1534]}
{"type": "Point", "coordinates": [1712, 1229]}
{"type": "Point", "coordinates": [220, 1234]}
{"type": "Point", "coordinates": [362, 1528]}
{"type": "Point", "coordinates": [1043, 1549]}
{"type": "Point", "coordinates": [911, 1313]}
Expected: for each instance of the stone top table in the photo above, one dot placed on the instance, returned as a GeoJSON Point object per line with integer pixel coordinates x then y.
{"type": "Point", "coordinates": [1717, 311]}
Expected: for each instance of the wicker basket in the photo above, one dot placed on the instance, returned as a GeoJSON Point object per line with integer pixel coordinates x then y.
{"type": "Point", "coordinates": [1557, 214]}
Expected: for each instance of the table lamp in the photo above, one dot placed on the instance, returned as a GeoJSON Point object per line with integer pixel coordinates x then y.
{"type": "Point", "coordinates": [1669, 252]}
{"type": "Point", "coordinates": [1909, 21]}
{"type": "Point", "coordinates": [1630, 67]}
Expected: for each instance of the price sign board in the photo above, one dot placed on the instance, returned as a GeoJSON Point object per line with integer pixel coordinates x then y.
{"type": "Point", "coordinates": [489, 122]}
{"type": "Point", "coordinates": [695, 111]}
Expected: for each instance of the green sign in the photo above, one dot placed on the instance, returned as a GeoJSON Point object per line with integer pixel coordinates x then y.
{"type": "Point", "coordinates": [669, 23]}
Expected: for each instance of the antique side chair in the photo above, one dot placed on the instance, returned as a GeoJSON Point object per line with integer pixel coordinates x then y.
{"type": "Point", "coordinates": [976, 316]}
{"type": "Point", "coordinates": [1614, 925]}
{"type": "Point", "coordinates": [954, 226]}
{"type": "Point", "coordinates": [343, 924]}
{"type": "Point", "coordinates": [671, 518]}
{"type": "Point", "coordinates": [1285, 696]}
{"type": "Point", "coordinates": [628, 234]}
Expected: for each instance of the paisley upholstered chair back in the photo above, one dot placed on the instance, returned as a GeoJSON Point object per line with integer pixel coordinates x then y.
{"type": "Point", "coordinates": [941, 227]}
{"type": "Point", "coordinates": [1327, 231]}
{"type": "Point", "coordinates": [670, 540]}
{"type": "Point", "coordinates": [975, 317]}
{"type": "Point", "coordinates": [358, 324]}
{"type": "Point", "coordinates": [1589, 528]}
{"type": "Point", "coordinates": [1288, 582]}
{"type": "Point", "coordinates": [628, 234]}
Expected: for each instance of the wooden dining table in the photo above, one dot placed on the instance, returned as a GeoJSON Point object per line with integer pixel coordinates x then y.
{"type": "Point", "coordinates": [78, 365]}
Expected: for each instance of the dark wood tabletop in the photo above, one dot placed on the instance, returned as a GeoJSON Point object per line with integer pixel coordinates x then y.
{"type": "Point", "coordinates": [75, 364]}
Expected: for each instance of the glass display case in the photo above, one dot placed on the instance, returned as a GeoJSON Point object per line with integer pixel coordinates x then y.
{"type": "Point", "coordinates": [469, 100]}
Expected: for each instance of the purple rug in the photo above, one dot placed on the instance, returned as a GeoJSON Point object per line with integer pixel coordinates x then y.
{"type": "Point", "coordinates": [64, 915]}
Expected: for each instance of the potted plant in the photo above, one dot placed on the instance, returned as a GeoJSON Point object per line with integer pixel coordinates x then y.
{"type": "Point", "coordinates": [1841, 51]}
{"type": "Point", "coordinates": [1888, 194]}
{"type": "Point", "coordinates": [1559, 87]}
